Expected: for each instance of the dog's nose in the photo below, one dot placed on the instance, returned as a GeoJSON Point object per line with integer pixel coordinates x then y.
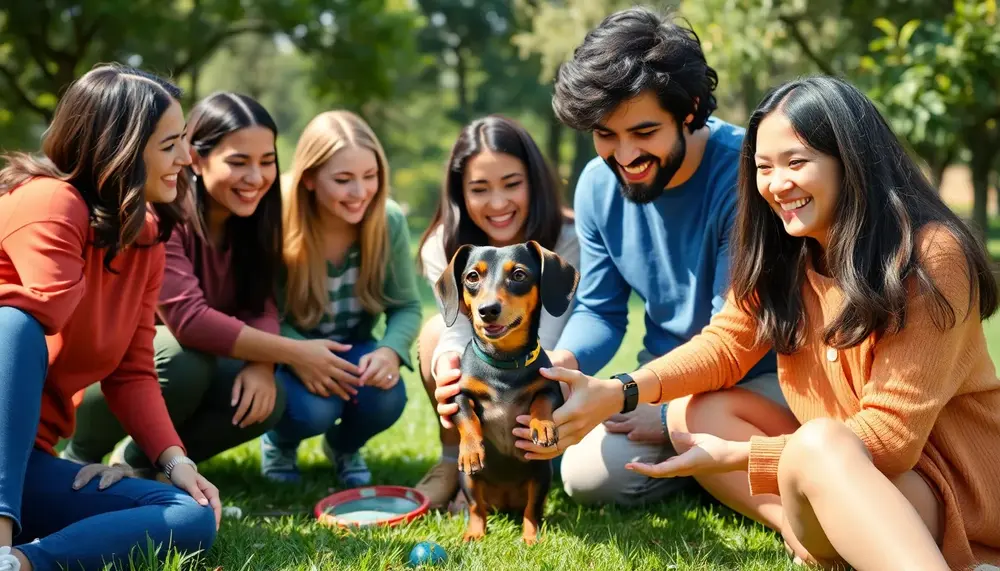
{"type": "Point", "coordinates": [490, 311]}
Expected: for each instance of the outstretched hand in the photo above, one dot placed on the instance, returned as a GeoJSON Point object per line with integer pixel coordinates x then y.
{"type": "Point", "coordinates": [705, 454]}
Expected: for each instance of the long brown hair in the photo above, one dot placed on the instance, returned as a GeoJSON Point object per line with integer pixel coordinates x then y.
{"type": "Point", "coordinates": [884, 201]}
{"type": "Point", "coordinates": [254, 241]}
{"type": "Point", "coordinates": [546, 214]}
{"type": "Point", "coordinates": [306, 294]}
{"type": "Point", "coordinates": [95, 143]}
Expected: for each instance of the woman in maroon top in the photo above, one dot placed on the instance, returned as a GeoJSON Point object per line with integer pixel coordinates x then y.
{"type": "Point", "coordinates": [218, 342]}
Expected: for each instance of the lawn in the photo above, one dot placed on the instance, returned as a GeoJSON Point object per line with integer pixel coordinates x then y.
{"type": "Point", "coordinates": [690, 532]}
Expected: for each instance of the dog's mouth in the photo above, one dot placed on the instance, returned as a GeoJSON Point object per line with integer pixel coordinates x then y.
{"type": "Point", "coordinates": [496, 330]}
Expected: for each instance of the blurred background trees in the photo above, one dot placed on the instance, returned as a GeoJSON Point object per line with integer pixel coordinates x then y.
{"type": "Point", "coordinates": [417, 70]}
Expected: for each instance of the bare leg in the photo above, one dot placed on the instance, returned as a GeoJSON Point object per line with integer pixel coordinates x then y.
{"type": "Point", "coordinates": [734, 414]}
{"type": "Point", "coordinates": [428, 340]}
{"type": "Point", "coordinates": [440, 483]}
{"type": "Point", "coordinates": [839, 506]}
{"type": "Point", "coordinates": [6, 532]}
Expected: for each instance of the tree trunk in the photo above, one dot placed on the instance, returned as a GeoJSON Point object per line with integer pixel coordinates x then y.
{"type": "Point", "coordinates": [462, 85]}
{"type": "Point", "coordinates": [982, 157]}
{"type": "Point", "coordinates": [555, 140]}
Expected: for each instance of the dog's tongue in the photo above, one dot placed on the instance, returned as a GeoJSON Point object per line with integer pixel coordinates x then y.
{"type": "Point", "coordinates": [494, 328]}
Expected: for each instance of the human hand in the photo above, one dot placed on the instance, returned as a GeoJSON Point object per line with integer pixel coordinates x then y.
{"type": "Point", "coordinates": [563, 358]}
{"type": "Point", "coordinates": [380, 368]}
{"type": "Point", "coordinates": [187, 478]}
{"type": "Point", "coordinates": [644, 424]}
{"type": "Point", "coordinates": [110, 475]}
{"type": "Point", "coordinates": [591, 401]}
{"type": "Point", "coordinates": [322, 372]}
{"type": "Point", "coordinates": [254, 392]}
{"type": "Point", "coordinates": [706, 454]}
{"type": "Point", "coordinates": [447, 372]}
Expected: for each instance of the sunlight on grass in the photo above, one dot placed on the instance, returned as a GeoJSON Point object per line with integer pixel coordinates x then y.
{"type": "Point", "coordinates": [279, 533]}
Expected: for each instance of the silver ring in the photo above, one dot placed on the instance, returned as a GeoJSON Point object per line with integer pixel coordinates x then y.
{"type": "Point", "coordinates": [389, 376]}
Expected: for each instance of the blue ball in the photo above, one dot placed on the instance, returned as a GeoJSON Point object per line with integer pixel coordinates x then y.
{"type": "Point", "coordinates": [427, 553]}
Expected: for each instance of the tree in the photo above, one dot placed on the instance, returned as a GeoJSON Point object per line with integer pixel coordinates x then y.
{"type": "Point", "coordinates": [939, 80]}
{"type": "Point", "coordinates": [45, 44]}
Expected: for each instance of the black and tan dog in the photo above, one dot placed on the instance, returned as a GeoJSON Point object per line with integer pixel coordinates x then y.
{"type": "Point", "coordinates": [503, 291]}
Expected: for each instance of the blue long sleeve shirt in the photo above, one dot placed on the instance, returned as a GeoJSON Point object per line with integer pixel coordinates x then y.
{"type": "Point", "coordinates": [673, 252]}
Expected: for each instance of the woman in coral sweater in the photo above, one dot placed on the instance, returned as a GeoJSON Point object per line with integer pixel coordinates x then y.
{"type": "Point", "coordinates": [872, 292]}
{"type": "Point", "coordinates": [81, 262]}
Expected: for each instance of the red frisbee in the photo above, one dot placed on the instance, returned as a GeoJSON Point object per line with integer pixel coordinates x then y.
{"type": "Point", "coordinates": [372, 505]}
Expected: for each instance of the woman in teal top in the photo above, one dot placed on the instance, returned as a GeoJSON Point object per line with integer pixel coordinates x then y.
{"type": "Point", "coordinates": [347, 261]}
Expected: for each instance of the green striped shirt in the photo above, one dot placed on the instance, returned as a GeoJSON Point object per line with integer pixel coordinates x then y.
{"type": "Point", "coordinates": [347, 322]}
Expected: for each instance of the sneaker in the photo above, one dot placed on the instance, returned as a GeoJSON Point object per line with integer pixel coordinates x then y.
{"type": "Point", "coordinates": [278, 464]}
{"type": "Point", "coordinates": [440, 484]}
{"type": "Point", "coordinates": [351, 468]}
{"type": "Point", "coordinates": [7, 560]}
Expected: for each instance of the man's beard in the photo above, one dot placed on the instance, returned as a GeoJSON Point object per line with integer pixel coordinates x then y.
{"type": "Point", "coordinates": [644, 193]}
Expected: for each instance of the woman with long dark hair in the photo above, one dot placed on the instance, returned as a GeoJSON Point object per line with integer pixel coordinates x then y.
{"type": "Point", "coordinates": [81, 264]}
{"type": "Point", "coordinates": [498, 190]}
{"type": "Point", "coordinates": [217, 296]}
{"type": "Point", "coordinates": [872, 292]}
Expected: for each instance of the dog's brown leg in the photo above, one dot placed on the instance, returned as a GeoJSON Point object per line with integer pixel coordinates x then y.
{"type": "Point", "coordinates": [471, 454]}
{"type": "Point", "coordinates": [543, 430]}
{"type": "Point", "coordinates": [538, 489]}
{"type": "Point", "coordinates": [476, 528]}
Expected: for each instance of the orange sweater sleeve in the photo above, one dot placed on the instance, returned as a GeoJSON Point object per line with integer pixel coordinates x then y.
{"type": "Point", "coordinates": [132, 390]}
{"type": "Point", "coordinates": [914, 374]}
{"type": "Point", "coordinates": [43, 238]}
{"type": "Point", "coordinates": [717, 358]}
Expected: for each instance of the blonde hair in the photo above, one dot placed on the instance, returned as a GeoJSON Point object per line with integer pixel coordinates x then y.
{"type": "Point", "coordinates": [306, 294]}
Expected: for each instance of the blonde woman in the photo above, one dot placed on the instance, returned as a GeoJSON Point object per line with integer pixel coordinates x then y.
{"type": "Point", "coordinates": [347, 260]}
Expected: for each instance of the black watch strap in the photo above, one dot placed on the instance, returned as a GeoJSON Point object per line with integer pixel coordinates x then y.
{"type": "Point", "coordinates": [631, 391]}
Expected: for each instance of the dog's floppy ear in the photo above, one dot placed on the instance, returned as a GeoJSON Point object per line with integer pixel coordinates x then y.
{"type": "Point", "coordinates": [559, 280]}
{"type": "Point", "coordinates": [448, 288]}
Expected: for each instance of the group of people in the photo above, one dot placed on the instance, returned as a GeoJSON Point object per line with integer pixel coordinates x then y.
{"type": "Point", "coordinates": [814, 355]}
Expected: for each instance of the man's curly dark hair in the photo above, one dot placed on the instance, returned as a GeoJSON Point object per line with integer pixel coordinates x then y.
{"type": "Point", "coordinates": [632, 51]}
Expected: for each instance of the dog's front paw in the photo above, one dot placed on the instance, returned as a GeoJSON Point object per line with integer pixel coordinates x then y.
{"type": "Point", "coordinates": [543, 432]}
{"type": "Point", "coordinates": [471, 457]}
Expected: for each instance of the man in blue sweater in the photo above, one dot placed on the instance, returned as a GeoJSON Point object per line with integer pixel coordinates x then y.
{"type": "Point", "coordinates": [653, 215]}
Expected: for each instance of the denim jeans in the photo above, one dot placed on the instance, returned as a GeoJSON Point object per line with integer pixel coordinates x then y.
{"type": "Point", "coordinates": [54, 524]}
{"type": "Point", "coordinates": [306, 415]}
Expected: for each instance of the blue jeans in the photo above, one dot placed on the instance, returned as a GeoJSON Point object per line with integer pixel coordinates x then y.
{"type": "Point", "coordinates": [306, 415]}
{"type": "Point", "coordinates": [54, 524]}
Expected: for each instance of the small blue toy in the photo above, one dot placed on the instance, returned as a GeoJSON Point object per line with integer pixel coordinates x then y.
{"type": "Point", "coordinates": [427, 553]}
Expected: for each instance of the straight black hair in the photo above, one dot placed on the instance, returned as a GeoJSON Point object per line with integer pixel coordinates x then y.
{"type": "Point", "coordinates": [256, 240]}
{"type": "Point", "coordinates": [546, 214]}
{"type": "Point", "coordinates": [884, 201]}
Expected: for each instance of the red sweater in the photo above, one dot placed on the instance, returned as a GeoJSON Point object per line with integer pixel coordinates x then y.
{"type": "Point", "coordinates": [99, 325]}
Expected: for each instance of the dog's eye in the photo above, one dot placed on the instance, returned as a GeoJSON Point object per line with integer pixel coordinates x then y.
{"type": "Point", "coordinates": [518, 275]}
{"type": "Point", "coordinates": [472, 278]}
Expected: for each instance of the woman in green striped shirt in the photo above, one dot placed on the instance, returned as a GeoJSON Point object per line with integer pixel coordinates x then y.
{"type": "Point", "coordinates": [347, 261]}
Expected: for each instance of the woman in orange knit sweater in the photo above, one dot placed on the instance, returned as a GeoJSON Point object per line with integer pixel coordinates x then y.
{"type": "Point", "coordinates": [81, 263]}
{"type": "Point", "coordinates": [872, 292]}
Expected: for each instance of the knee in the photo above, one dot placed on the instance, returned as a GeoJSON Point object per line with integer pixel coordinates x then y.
{"type": "Point", "coordinates": [815, 449]}
{"type": "Point", "coordinates": [280, 402]}
{"type": "Point", "coordinates": [187, 371]}
{"type": "Point", "coordinates": [192, 525]}
{"type": "Point", "coordinates": [390, 404]}
{"type": "Point", "coordinates": [697, 413]}
{"type": "Point", "coordinates": [594, 483]}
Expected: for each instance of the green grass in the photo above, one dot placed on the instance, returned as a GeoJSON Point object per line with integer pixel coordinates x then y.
{"type": "Point", "coordinates": [688, 532]}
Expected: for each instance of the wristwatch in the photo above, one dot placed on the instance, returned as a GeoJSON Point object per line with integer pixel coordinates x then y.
{"type": "Point", "coordinates": [631, 391]}
{"type": "Point", "coordinates": [176, 461]}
